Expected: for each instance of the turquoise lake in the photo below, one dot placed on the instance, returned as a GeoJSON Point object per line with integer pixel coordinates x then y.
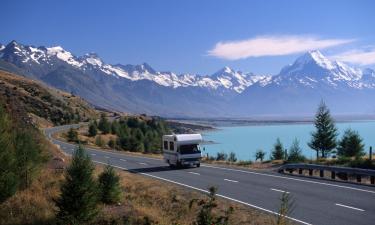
{"type": "Point", "coordinates": [245, 140]}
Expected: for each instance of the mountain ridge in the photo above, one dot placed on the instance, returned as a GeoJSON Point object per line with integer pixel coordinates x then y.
{"type": "Point", "coordinates": [227, 92]}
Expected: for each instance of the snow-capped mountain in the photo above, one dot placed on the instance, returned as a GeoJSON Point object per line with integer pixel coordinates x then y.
{"type": "Point", "coordinates": [225, 78]}
{"type": "Point", "coordinates": [297, 89]}
{"type": "Point", "coordinates": [300, 86]}
{"type": "Point", "coordinates": [313, 70]}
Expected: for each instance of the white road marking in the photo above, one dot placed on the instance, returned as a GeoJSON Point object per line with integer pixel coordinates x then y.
{"type": "Point", "coordinates": [93, 154]}
{"type": "Point", "coordinates": [350, 207]}
{"type": "Point", "coordinates": [118, 167]}
{"type": "Point", "coordinates": [237, 170]}
{"type": "Point", "coordinates": [234, 181]}
{"type": "Point", "coordinates": [205, 191]}
{"type": "Point", "coordinates": [194, 173]}
{"type": "Point", "coordinates": [142, 163]}
{"type": "Point", "coordinates": [273, 189]}
{"type": "Point", "coordinates": [123, 160]}
{"type": "Point", "coordinates": [107, 157]}
{"type": "Point", "coordinates": [226, 197]}
{"type": "Point", "coordinates": [290, 178]}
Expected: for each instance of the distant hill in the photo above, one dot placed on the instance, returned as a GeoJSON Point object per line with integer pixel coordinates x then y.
{"type": "Point", "coordinates": [33, 102]}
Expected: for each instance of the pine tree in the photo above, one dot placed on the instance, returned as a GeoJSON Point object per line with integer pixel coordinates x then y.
{"type": "Point", "coordinates": [72, 135]}
{"type": "Point", "coordinates": [28, 155]}
{"type": "Point", "coordinates": [77, 203]}
{"type": "Point", "coordinates": [232, 157]}
{"type": "Point", "coordinates": [93, 130]}
{"type": "Point", "coordinates": [104, 125]}
{"type": "Point", "coordinates": [350, 144]}
{"type": "Point", "coordinates": [324, 138]}
{"type": "Point", "coordinates": [109, 186]}
{"type": "Point", "coordinates": [8, 178]}
{"type": "Point", "coordinates": [295, 152]}
{"type": "Point", "coordinates": [278, 150]}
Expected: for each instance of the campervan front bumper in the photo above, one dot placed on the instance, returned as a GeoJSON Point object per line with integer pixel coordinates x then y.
{"type": "Point", "coordinates": [190, 161]}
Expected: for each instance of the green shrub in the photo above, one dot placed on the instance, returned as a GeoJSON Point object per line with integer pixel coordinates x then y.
{"type": "Point", "coordinates": [77, 203]}
{"type": "Point", "coordinates": [109, 186]}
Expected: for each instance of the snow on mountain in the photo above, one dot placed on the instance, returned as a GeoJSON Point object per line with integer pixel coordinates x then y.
{"type": "Point", "coordinates": [226, 78]}
{"type": "Point", "coordinates": [310, 70]}
{"type": "Point", "coordinates": [314, 70]}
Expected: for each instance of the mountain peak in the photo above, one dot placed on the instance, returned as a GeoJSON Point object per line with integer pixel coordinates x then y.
{"type": "Point", "coordinates": [146, 67]}
{"type": "Point", "coordinates": [316, 57]}
{"type": "Point", "coordinates": [224, 70]}
{"type": "Point", "coordinates": [91, 55]}
{"type": "Point", "coordinates": [93, 59]}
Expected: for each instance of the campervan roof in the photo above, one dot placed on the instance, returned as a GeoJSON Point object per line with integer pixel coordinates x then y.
{"type": "Point", "coordinates": [193, 138]}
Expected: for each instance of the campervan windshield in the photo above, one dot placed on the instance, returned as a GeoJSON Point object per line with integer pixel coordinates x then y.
{"type": "Point", "coordinates": [189, 149]}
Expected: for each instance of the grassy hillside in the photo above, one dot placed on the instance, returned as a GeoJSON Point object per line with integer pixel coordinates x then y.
{"type": "Point", "coordinates": [32, 168]}
{"type": "Point", "coordinates": [38, 104]}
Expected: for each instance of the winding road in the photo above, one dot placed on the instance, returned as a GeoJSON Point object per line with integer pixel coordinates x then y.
{"type": "Point", "coordinates": [317, 202]}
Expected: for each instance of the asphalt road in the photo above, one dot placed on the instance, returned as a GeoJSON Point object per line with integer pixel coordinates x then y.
{"type": "Point", "coordinates": [317, 202]}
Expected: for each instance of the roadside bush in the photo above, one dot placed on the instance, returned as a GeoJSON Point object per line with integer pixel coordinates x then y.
{"type": "Point", "coordinates": [351, 145]}
{"type": "Point", "coordinates": [109, 186]}
{"type": "Point", "coordinates": [77, 203]}
{"type": "Point", "coordinates": [93, 130]}
{"type": "Point", "coordinates": [99, 141]}
{"type": "Point", "coordinates": [278, 151]}
{"type": "Point", "coordinates": [285, 209]}
{"type": "Point", "coordinates": [221, 156]}
{"type": "Point", "coordinates": [260, 154]}
{"type": "Point", "coordinates": [72, 135]}
{"type": "Point", "coordinates": [232, 157]}
{"type": "Point", "coordinates": [112, 143]}
{"type": "Point", "coordinates": [104, 125]}
{"type": "Point", "coordinates": [295, 152]}
{"type": "Point", "coordinates": [205, 215]}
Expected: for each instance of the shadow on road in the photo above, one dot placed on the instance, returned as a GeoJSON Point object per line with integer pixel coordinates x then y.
{"type": "Point", "coordinates": [155, 169]}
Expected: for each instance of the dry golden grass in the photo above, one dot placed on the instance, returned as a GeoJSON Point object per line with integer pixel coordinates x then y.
{"type": "Point", "coordinates": [166, 204]}
{"type": "Point", "coordinates": [143, 197]}
{"type": "Point", "coordinates": [35, 204]}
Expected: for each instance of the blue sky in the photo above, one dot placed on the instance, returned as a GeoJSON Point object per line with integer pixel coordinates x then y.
{"type": "Point", "coordinates": [197, 36]}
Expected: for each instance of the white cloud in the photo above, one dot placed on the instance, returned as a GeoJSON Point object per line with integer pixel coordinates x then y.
{"type": "Point", "coordinates": [271, 46]}
{"type": "Point", "coordinates": [361, 57]}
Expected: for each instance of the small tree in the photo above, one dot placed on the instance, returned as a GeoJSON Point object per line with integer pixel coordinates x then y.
{"type": "Point", "coordinates": [72, 135]}
{"type": "Point", "coordinates": [286, 208]}
{"type": "Point", "coordinates": [8, 178]}
{"type": "Point", "coordinates": [205, 215]}
{"type": "Point", "coordinates": [109, 186]}
{"type": "Point", "coordinates": [221, 156]}
{"type": "Point", "coordinates": [232, 157]}
{"type": "Point", "coordinates": [323, 140]}
{"type": "Point", "coordinates": [260, 154]}
{"type": "Point", "coordinates": [295, 152]}
{"type": "Point", "coordinates": [278, 150]}
{"type": "Point", "coordinates": [93, 130]}
{"type": "Point", "coordinates": [350, 144]}
{"type": "Point", "coordinates": [29, 157]}
{"type": "Point", "coordinates": [112, 143]}
{"type": "Point", "coordinates": [104, 125]}
{"type": "Point", "coordinates": [99, 141]}
{"type": "Point", "coordinates": [77, 203]}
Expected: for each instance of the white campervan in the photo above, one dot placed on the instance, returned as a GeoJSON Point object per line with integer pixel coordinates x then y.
{"type": "Point", "coordinates": [182, 149]}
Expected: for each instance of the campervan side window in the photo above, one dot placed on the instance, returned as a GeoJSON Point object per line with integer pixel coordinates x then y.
{"type": "Point", "coordinates": [171, 146]}
{"type": "Point", "coordinates": [166, 145]}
